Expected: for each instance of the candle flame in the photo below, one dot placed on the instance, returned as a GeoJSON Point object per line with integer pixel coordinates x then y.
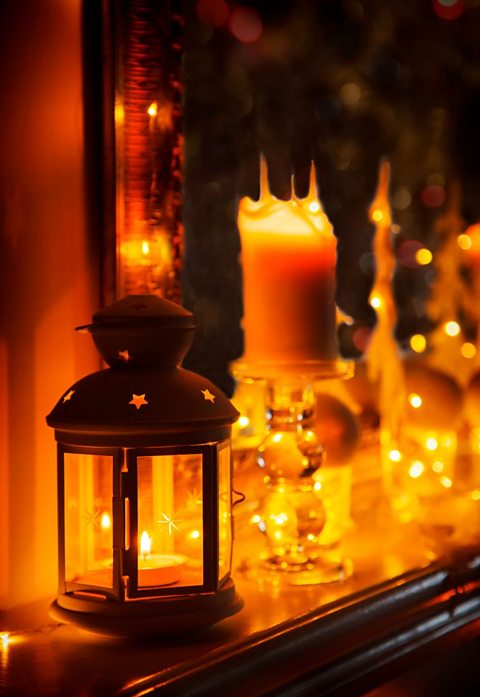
{"type": "Point", "coordinates": [105, 521]}
{"type": "Point", "coordinates": [4, 639]}
{"type": "Point", "coordinates": [145, 544]}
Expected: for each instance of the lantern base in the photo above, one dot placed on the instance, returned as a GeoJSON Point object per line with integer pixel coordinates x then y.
{"type": "Point", "coordinates": [149, 618]}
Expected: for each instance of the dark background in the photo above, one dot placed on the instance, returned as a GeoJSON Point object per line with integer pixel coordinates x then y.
{"type": "Point", "coordinates": [343, 83]}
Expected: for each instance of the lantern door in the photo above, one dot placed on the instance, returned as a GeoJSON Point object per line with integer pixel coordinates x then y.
{"type": "Point", "coordinates": [225, 523]}
{"type": "Point", "coordinates": [172, 545]}
{"type": "Point", "coordinates": [88, 483]}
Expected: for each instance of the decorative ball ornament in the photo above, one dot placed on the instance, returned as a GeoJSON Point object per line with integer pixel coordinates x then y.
{"type": "Point", "coordinates": [434, 399]}
{"type": "Point", "coordinates": [337, 428]}
{"type": "Point", "coordinates": [144, 480]}
{"type": "Point", "coordinates": [472, 401]}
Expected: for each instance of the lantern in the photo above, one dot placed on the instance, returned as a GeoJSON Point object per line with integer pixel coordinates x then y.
{"type": "Point", "coordinates": [144, 481]}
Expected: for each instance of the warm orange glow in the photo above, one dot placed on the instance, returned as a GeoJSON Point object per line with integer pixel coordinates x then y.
{"type": "Point", "coordinates": [468, 350]}
{"type": "Point", "coordinates": [194, 535]}
{"type": "Point", "coordinates": [472, 233]}
{"type": "Point", "coordinates": [451, 328]}
{"type": "Point", "coordinates": [415, 400]}
{"type": "Point", "coordinates": [153, 109]}
{"type": "Point", "coordinates": [377, 215]}
{"type": "Point", "coordinates": [446, 482]}
{"type": "Point", "coordinates": [464, 242]}
{"type": "Point", "coordinates": [431, 443]}
{"type": "Point", "coordinates": [418, 343]}
{"type": "Point", "coordinates": [145, 247]}
{"type": "Point", "coordinates": [289, 258]}
{"type": "Point", "coordinates": [145, 544]}
{"type": "Point", "coordinates": [4, 640]}
{"type": "Point", "coordinates": [376, 302]}
{"type": "Point", "coordinates": [105, 521]}
{"type": "Point", "coordinates": [438, 466]}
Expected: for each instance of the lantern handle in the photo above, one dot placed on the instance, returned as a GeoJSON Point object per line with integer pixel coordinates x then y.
{"type": "Point", "coordinates": [241, 497]}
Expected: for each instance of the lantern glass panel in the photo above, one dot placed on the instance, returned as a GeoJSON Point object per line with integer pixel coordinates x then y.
{"type": "Point", "coordinates": [170, 520]}
{"type": "Point", "coordinates": [224, 511]}
{"type": "Point", "coordinates": [88, 519]}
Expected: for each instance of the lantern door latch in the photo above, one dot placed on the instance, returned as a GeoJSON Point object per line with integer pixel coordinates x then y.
{"type": "Point", "coordinates": [120, 510]}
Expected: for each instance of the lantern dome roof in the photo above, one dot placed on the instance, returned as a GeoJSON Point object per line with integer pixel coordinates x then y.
{"type": "Point", "coordinates": [141, 310]}
{"type": "Point", "coordinates": [148, 406]}
{"type": "Point", "coordinates": [142, 331]}
{"type": "Point", "coordinates": [144, 398]}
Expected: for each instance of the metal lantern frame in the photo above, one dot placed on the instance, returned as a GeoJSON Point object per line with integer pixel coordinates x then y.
{"type": "Point", "coordinates": [184, 415]}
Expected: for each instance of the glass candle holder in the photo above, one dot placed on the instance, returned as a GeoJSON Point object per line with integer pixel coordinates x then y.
{"type": "Point", "coordinates": [293, 514]}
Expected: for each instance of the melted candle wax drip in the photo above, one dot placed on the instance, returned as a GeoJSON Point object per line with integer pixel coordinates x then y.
{"type": "Point", "coordinates": [289, 258]}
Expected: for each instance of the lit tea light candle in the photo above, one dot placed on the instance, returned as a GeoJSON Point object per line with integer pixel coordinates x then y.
{"type": "Point", "coordinates": [289, 258]}
{"type": "Point", "coordinates": [157, 569]}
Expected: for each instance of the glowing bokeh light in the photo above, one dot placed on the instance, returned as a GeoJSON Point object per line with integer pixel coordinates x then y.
{"type": "Point", "coordinates": [314, 207]}
{"type": "Point", "coordinates": [415, 400]}
{"type": "Point", "coordinates": [376, 302]}
{"type": "Point", "coordinates": [468, 350]}
{"type": "Point", "coordinates": [395, 455]}
{"type": "Point", "coordinates": [431, 443]}
{"type": "Point", "coordinates": [361, 338]}
{"type": "Point", "coordinates": [246, 25]}
{"type": "Point", "coordinates": [451, 328]}
{"type": "Point", "coordinates": [407, 253]}
{"type": "Point", "coordinates": [446, 482]}
{"type": "Point", "coordinates": [433, 196]}
{"type": "Point", "coordinates": [417, 468]}
{"type": "Point", "coordinates": [438, 466]}
{"type": "Point", "coordinates": [402, 198]}
{"type": "Point", "coordinates": [464, 242]}
{"type": "Point", "coordinates": [418, 343]}
{"type": "Point", "coordinates": [152, 109]}
{"type": "Point", "coordinates": [448, 9]}
{"type": "Point", "coordinates": [105, 521]}
{"type": "Point", "coordinates": [350, 94]}
{"type": "Point", "coordinates": [243, 421]}
{"type": "Point", "coordinates": [212, 12]}
{"type": "Point", "coordinates": [423, 256]}
{"type": "Point", "coordinates": [377, 215]}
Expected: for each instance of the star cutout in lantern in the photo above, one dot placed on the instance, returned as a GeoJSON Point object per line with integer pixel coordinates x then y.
{"type": "Point", "coordinates": [68, 396]}
{"type": "Point", "coordinates": [170, 521]}
{"type": "Point", "coordinates": [124, 355]}
{"type": "Point", "coordinates": [208, 396]}
{"type": "Point", "coordinates": [138, 400]}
